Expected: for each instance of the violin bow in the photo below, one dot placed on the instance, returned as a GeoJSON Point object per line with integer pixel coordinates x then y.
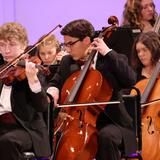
{"type": "Point", "coordinates": [14, 61]}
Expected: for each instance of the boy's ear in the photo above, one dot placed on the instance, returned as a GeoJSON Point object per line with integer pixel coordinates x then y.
{"type": "Point", "coordinates": [87, 40]}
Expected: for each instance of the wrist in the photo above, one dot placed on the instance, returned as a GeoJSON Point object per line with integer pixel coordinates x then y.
{"type": "Point", "coordinates": [34, 84]}
{"type": "Point", "coordinates": [106, 52]}
{"type": "Point", "coordinates": [33, 79]}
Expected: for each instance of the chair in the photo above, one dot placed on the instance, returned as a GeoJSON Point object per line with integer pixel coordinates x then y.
{"type": "Point", "coordinates": [133, 106]}
{"type": "Point", "coordinates": [49, 121]}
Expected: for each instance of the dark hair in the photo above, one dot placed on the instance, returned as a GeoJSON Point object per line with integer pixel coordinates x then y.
{"type": "Point", "coordinates": [79, 28]}
{"type": "Point", "coordinates": [152, 41]}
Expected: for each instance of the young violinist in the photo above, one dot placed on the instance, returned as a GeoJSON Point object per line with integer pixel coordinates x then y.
{"type": "Point", "coordinates": [22, 102]}
{"type": "Point", "coordinates": [139, 14]}
{"type": "Point", "coordinates": [114, 124]}
{"type": "Point", "coordinates": [50, 53]}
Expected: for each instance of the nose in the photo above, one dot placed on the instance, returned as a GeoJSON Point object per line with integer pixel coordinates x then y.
{"type": "Point", "coordinates": [46, 56]}
{"type": "Point", "coordinates": [140, 53]}
{"type": "Point", "coordinates": [6, 49]}
{"type": "Point", "coordinates": [150, 8]}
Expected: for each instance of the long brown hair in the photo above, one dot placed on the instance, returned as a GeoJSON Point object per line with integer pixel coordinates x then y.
{"type": "Point", "coordinates": [132, 14]}
{"type": "Point", "coordinates": [152, 41]}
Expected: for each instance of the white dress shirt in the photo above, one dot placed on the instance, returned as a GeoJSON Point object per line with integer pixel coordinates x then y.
{"type": "Point", "coordinates": [5, 97]}
{"type": "Point", "coordinates": [5, 102]}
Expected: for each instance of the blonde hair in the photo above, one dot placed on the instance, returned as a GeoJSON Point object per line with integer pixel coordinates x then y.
{"type": "Point", "coordinates": [50, 41]}
{"type": "Point", "coordinates": [14, 30]}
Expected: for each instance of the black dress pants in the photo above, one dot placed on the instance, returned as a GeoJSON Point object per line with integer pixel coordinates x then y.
{"type": "Point", "coordinates": [109, 141]}
{"type": "Point", "coordinates": [14, 140]}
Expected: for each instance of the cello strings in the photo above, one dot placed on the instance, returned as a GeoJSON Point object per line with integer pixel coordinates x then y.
{"type": "Point", "coordinates": [143, 105]}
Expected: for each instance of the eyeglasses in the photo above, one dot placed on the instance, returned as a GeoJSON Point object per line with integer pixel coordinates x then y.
{"type": "Point", "coordinates": [69, 44]}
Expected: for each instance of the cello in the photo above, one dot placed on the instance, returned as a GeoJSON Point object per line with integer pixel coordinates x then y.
{"type": "Point", "coordinates": [150, 115]}
{"type": "Point", "coordinates": [79, 134]}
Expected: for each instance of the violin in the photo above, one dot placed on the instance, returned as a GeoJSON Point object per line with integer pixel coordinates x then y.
{"type": "Point", "coordinates": [18, 72]}
{"type": "Point", "coordinates": [15, 70]}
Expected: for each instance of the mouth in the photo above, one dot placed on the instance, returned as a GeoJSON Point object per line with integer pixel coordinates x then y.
{"type": "Point", "coordinates": [7, 57]}
{"type": "Point", "coordinates": [142, 59]}
{"type": "Point", "coordinates": [151, 14]}
{"type": "Point", "coordinates": [47, 62]}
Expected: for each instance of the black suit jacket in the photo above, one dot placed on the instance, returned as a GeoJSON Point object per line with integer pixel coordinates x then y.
{"type": "Point", "coordinates": [114, 67]}
{"type": "Point", "coordinates": [28, 108]}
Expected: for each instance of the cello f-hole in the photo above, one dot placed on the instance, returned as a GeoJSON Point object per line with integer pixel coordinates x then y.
{"type": "Point", "coordinates": [149, 125]}
{"type": "Point", "coordinates": [80, 119]}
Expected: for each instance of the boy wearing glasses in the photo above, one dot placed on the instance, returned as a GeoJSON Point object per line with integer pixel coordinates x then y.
{"type": "Point", "coordinates": [114, 125]}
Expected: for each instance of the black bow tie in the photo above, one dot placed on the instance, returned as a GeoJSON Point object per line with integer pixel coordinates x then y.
{"type": "Point", "coordinates": [81, 62]}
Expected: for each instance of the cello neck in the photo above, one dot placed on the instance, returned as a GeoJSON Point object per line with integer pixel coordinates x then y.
{"type": "Point", "coordinates": [81, 77]}
{"type": "Point", "coordinates": [151, 83]}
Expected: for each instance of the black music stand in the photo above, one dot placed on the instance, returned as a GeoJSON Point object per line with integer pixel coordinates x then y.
{"type": "Point", "coordinates": [121, 40]}
{"type": "Point", "coordinates": [133, 106]}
